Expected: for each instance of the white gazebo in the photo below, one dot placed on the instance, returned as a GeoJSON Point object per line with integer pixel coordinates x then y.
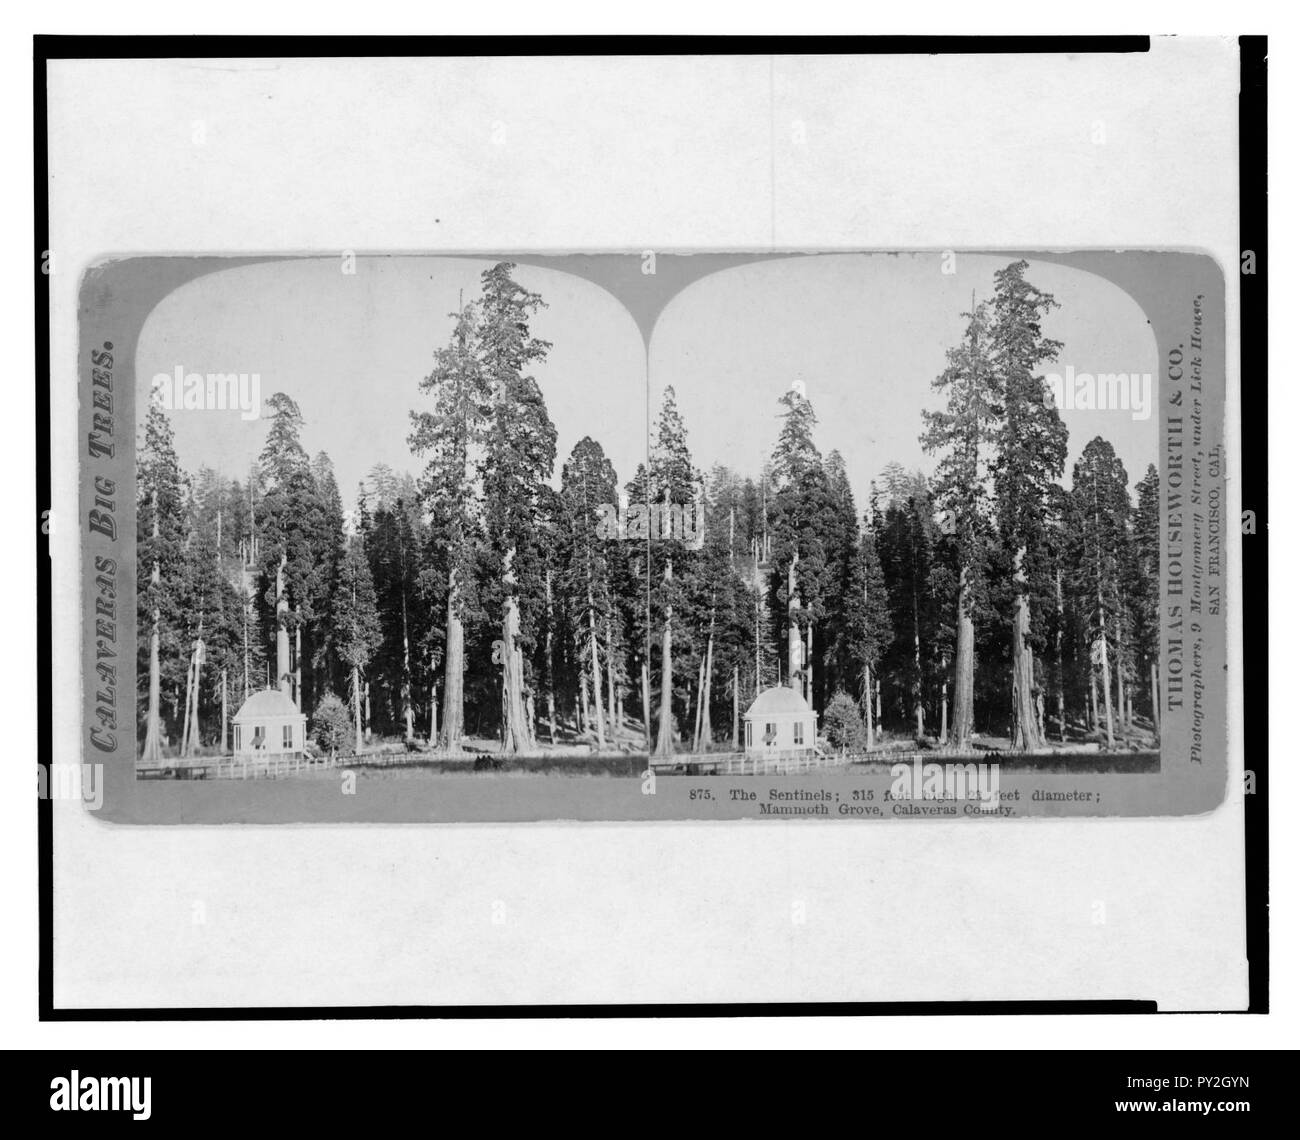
{"type": "Point", "coordinates": [269, 724]}
{"type": "Point", "coordinates": [780, 721]}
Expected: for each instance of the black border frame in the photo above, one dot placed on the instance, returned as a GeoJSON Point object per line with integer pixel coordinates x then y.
{"type": "Point", "coordinates": [1253, 176]}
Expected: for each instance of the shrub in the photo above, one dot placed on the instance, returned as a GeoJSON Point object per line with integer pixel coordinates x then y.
{"type": "Point", "coordinates": [331, 726]}
{"type": "Point", "coordinates": [843, 724]}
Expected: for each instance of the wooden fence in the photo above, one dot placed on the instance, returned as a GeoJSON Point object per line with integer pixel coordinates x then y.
{"type": "Point", "coordinates": [270, 767]}
{"type": "Point", "coordinates": [751, 763]}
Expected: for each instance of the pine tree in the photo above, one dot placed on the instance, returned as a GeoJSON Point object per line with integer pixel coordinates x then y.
{"type": "Point", "coordinates": [1030, 456]}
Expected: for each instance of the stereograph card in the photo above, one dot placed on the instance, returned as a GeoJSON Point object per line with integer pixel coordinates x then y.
{"type": "Point", "coordinates": [527, 507]}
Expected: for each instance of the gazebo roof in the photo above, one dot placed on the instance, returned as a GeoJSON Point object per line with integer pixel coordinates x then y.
{"type": "Point", "coordinates": [778, 700]}
{"type": "Point", "coordinates": [269, 704]}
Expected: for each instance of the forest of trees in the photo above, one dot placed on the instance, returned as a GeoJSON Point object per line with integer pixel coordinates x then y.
{"type": "Point", "coordinates": [477, 599]}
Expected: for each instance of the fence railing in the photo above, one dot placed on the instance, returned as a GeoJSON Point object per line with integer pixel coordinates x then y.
{"type": "Point", "coordinates": [267, 767]}
{"type": "Point", "coordinates": [774, 763]}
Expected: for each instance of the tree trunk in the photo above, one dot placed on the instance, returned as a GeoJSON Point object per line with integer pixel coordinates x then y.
{"type": "Point", "coordinates": [808, 667]}
{"type": "Point", "coordinates": [963, 700]}
{"type": "Point", "coordinates": [356, 707]}
{"type": "Point", "coordinates": [595, 668]}
{"type": "Point", "coordinates": [224, 719]}
{"type": "Point", "coordinates": [1025, 736]}
{"type": "Point", "coordinates": [433, 715]}
{"type": "Point", "coordinates": [645, 700]}
{"type": "Point", "coordinates": [1060, 658]}
{"type": "Point", "coordinates": [735, 707]}
{"type": "Point", "coordinates": [614, 716]}
{"type": "Point", "coordinates": [1105, 689]}
{"type": "Point", "coordinates": [185, 723]}
{"type": "Point", "coordinates": [195, 742]}
{"type": "Point", "coordinates": [917, 703]}
{"type": "Point", "coordinates": [1105, 669]}
{"type": "Point", "coordinates": [706, 697]}
{"type": "Point", "coordinates": [1094, 720]}
{"type": "Point", "coordinates": [152, 733]}
{"type": "Point", "coordinates": [297, 662]}
{"type": "Point", "coordinates": [247, 606]}
{"type": "Point", "coordinates": [664, 743]}
{"type": "Point", "coordinates": [699, 705]}
{"type": "Point", "coordinates": [283, 677]}
{"type": "Point", "coordinates": [866, 686]}
{"type": "Point", "coordinates": [1121, 698]}
{"type": "Point", "coordinates": [516, 729]}
{"type": "Point", "coordinates": [794, 639]}
{"type": "Point", "coordinates": [550, 657]}
{"type": "Point", "coordinates": [408, 713]}
{"type": "Point", "coordinates": [453, 675]}
{"type": "Point", "coordinates": [943, 705]}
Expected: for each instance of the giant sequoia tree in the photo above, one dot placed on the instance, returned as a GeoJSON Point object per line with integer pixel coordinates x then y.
{"type": "Point", "coordinates": [393, 545]}
{"type": "Point", "coordinates": [211, 610]}
{"type": "Point", "coordinates": [1031, 445]}
{"type": "Point", "coordinates": [160, 554]}
{"type": "Point", "coordinates": [294, 535]}
{"type": "Point", "coordinates": [1145, 582]}
{"type": "Point", "coordinates": [803, 516]}
{"type": "Point", "coordinates": [518, 457]}
{"type": "Point", "coordinates": [962, 435]}
{"type": "Point", "coordinates": [357, 631]}
{"type": "Point", "coordinates": [449, 437]}
{"type": "Point", "coordinates": [906, 538]}
{"type": "Point", "coordinates": [588, 484]}
{"type": "Point", "coordinates": [865, 629]}
{"type": "Point", "coordinates": [671, 485]}
{"type": "Point", "coordinates": [1101, 513]}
